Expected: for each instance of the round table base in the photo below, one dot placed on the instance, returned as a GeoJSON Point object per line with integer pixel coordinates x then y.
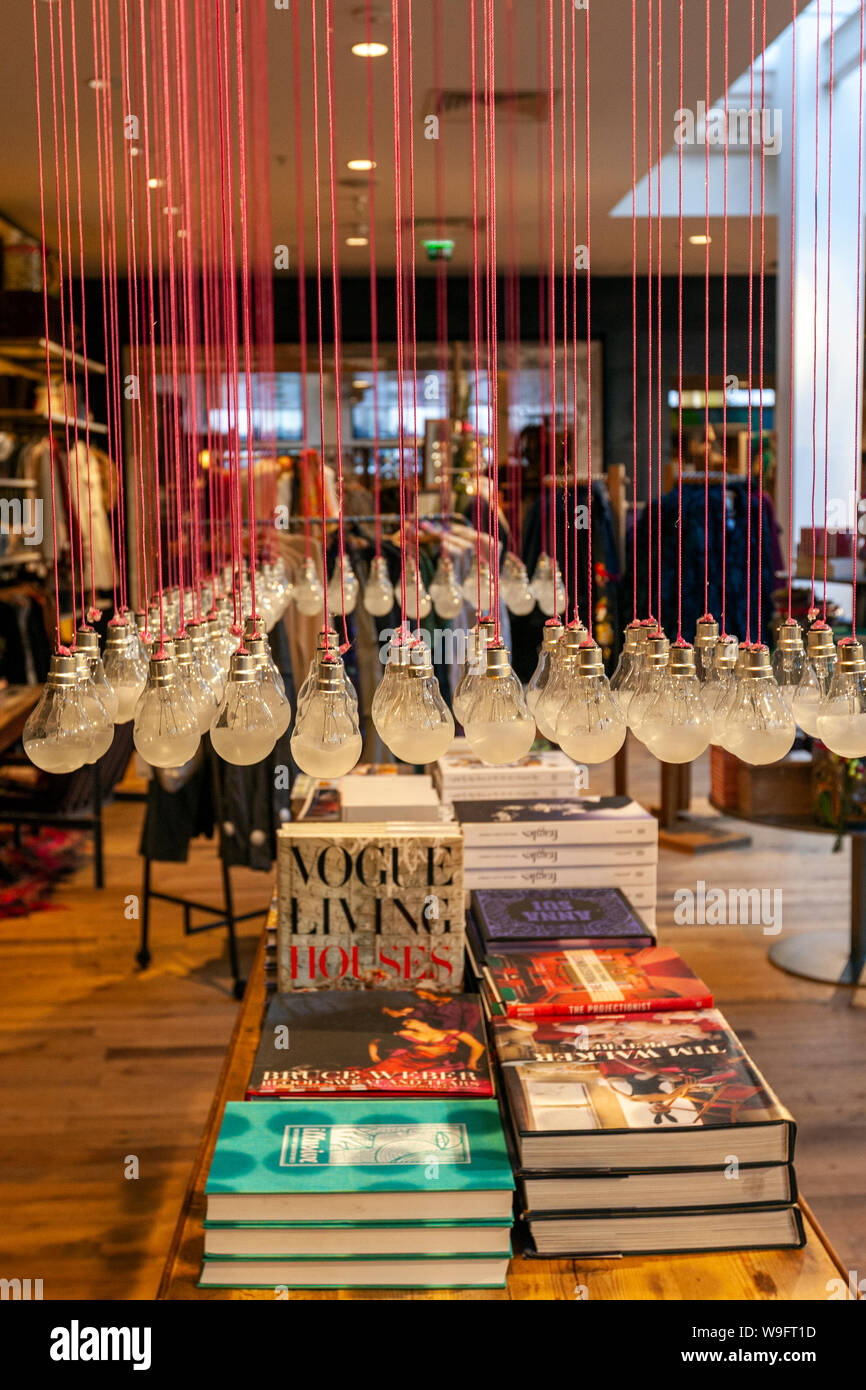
{"type": "Point", "coordinates": [818, 955]}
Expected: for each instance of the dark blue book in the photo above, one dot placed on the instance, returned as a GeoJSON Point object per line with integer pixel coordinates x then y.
{"type": "Point", "coordinates": [512, 919]}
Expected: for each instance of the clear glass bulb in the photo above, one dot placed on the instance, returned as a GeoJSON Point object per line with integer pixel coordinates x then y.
{"type": "Point", "coordinates": [544, 666]}
{"type": "Point", "coordinates": [201, 636]}
{"type": "Point", "coordinates": [418, 601]}
{"type": "Point", "coordinates": [542, 575]}
{"type": "Point", "coordinates": [758, 726]}
{"type": "Point", "coordinates": [87, 643]}
{"type": "Point", "coordinates": [499, 727]}
{"type": "Point", "coordinates": [309, 595]}
{"type": "Point", "coordinates": [243, 731]}
{"type": "Point", "coordinates": [166, 731]}
{"type": "Point", "coordinates": [197, 688]}
{"type": "Point", "coordinates": [842, 714]}
{"type": "Point", "coordinates": [789, 658]}
{"type": "Point", "coordinates": [98, 717]}
{"type": "Point", "coordinates": [419, 727]}
{"type": "Point", "coordinates": [470, 586]}
{"type": "Point", "coordinates": [625, 678]}
{"type": "Point", "coordinates": [547, 586]}
{"type": "Point", "coordinates": [445, 591]}
{"type": "Point", "coordinates": [706, 637]}
{"type": "Point", "coordinates": [675, 727]}
{"type": "Point", "coordinates": [590, 728]}
{"type": "Point", "coordinates": [379, 591]}
{"type": "Point", "coordinates": [518, 596]}
{"type": "Point", "coordinates": [717, 687]}
{"type": "Point", "coordinates": [125, 670]}
{"type": "Point", "coordinates": [326, 739]}
{"type": "Point", "coordinates": [57, 736]}
{"type": "Point", "coordinates": [343, 587]}
{"type": "Point", "coordinates": [273, 686]}
{"type": "Point", "coordinates": [473, 672]}
{"type": "Point", "coordinates": [815, 680]}
{"type": "Point", "coordinates": [388, 690]}
{"type": "Point", "coordinates": [559, 681]}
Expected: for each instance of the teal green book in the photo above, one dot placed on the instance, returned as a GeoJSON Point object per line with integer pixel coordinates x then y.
{"type": "Point", "coordinates": [351, 1240]}
{"type": "Point", "coordinates": [353, 1160]}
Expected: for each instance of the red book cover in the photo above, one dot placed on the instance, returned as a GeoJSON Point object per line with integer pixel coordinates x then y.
{"type": "Point", "coordinates": [565, 983]}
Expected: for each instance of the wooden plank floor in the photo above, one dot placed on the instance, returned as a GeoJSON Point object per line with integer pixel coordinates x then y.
{"type": "Point", "coordinates": [99, 1062]}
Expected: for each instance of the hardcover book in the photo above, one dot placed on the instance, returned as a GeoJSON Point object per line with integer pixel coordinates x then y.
{"type": "Point", "coordinates": [562, 983]}
{"type": "Point", "coordinates": [632, 1091]}
{"type": "Point", "coordinates": [376, 1042]}
{"type": "Point", "coordinates": [639, 885]}
{"type": "Point", "coordinates": [379, 906]}
{"type": "Point", "coordinates": [668, 1232]}
{"type": "Point", "coordinates": [358, 1160]}
{"type": "Point", "coordinates": [513, 919]}
{"type": "Point", "coordinates": [605, 820]}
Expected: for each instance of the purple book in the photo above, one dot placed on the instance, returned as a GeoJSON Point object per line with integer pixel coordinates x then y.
{"type": "Point", "coordinates": [514, 919]}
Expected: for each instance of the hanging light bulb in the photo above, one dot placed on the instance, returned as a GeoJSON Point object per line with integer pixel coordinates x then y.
{"type": "Point", "coordinates": [192, 679]}
{"type": "Point", "coordinates": [87, 641]}
{"type": "Point", "coordinates": [553, 630]}
{"type": "Point", "coordinates": [445, 591]}
{"type": "Point", "coordinates": [418, 601]}
{"type": "Point", "coordinates": [378, 591]}
{"type": "Point", "coordinates": [224, 612]}
{"type": "Point", "coordinates": [273, 686]}
{"type": "Point", "coordinates": [706, 637]}
{"type": "Point", "coordinates": [243, 729]}
{"type": "Point", "coordinates": [558, 684]}
{"type": "Point", "coordinates": [676, 727]}
{"type": "Point", "coordinates": [542, 576]}
{"type": "Point", "coordinates": [789, 658]}
{"type": "Point", "coordinates": [717, 689]}
{"type": "Point", "coordinates": [389, 687]}
{"type": "Point", "coordinates": [499, 727]}
{"type": "Point", "coordinates": [143, 630]}
{"type": "Point", "coordinates": [57, 736]}
{"type": "Point", "coordinates": [590, 727]}
{"type": "Point", "coordinates": [815, 679]}
{"type": "Point", "coordinates": [211, 669]}
{"type": "Point", "coordinates": [309, 596]}
{"type": "Point", "coordinates": [509, 572]}
{"type": "Point", "coordinates": [759, 728]}
{"type": "Point", "coordinates": [222, 643]}
{"type": "Point", "coordinates": [623, 682]}
{"type": "Point", "coordinates": [419, 727]}
{"type": "Point", "coordinates": [473, 670]}
{"type": "Point", "coordinates": [649, 682]}
{"type": "Point", "coordinates": [519, 597]}
{"type": "Point", "coordinates": [343, 587]}
{"type": "Point", "coordinates": [326, 739]}
{"type": "Point", "coordinates": [842, 713]}
{"type": "Point", "coordinates": [125, 670]}
{"type": "Point", "coordinates": [100, 721]}
{"type": "Point", "coordinates": [166, 729]}
{"type": "Point", "coordinates": [475, 579]}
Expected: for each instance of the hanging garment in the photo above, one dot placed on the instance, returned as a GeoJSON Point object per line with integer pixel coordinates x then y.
{"type": "Point", "coordinates": [85, 482]}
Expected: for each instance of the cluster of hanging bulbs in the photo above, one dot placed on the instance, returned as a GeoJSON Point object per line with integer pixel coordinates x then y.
{"type": "Point", "coordinates": [202, 676]}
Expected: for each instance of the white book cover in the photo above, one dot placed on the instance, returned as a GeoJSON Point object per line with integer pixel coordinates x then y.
{"type": "Point", "coordinates": [544, 856]}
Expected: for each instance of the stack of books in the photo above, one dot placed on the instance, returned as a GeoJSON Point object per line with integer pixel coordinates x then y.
{"type": "Point", "coordinates": [636, 1120]}
{"type": "Point", "coordinates": [391, 799]}
{"type": "Point", "coordinates": [602, 842]}
{"type": "Point", "coordinates": [369, 1152]}
{"type": "Point", "coordinates": [461, 775]}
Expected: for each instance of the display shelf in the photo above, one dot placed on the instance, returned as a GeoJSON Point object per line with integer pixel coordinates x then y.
{"type": "Point", "coordinates": [747, 1275]}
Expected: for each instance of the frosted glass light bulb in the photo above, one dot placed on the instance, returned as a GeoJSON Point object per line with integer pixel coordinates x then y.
{"type": "Point", "coordinates": [97, 716]}
{"type": "Point", "coordinates": [243, 731]}
{"type": "Point", "coordinates": [125, 670]}
{"type": "Point", "coordinates": [815, 680]}
{"type": "Point", "coordinates": [676, 727]}
{"type": "Point", "coordinates": [418, 601]}
{"type": "Point", "coordinates": [649, 683]}
{"type": "Point", "coordinates": [343, 587]}
{"type": "Point", "coordinates": [706, 637]}
{"type": "Point", "coordinates": [538, 680]}
{"type": "Point", "coordinates": [842, 713]}
{"type": "Point", "coordinates": [326, 740]}
{"type": "Point", "coordinates": [378, 591]}
{"type": "Point", "coordinates": [166, 730]}
{"type": "Point", "coordinates": [197, 688]}
{"type": "Point", "coordinates": [789, 658]}
{"type": "Point", "coordinates": [552, 600]}
{"type": "Point", "coordinates": [499, 727]}
{"type": "Point", "coordinates": [388, 690]}
{"type": "Point", "coordinates": [758, 726]}
{"type": "Point", "coordinates": [273, 686]}
{"type": "Point", "coordinates": [590, 727]}
{"type": "Point", "coordinates": [419, 727]}
{"type": "Point", "coordinates": [624, 680]}
{"type": "Point", "coordinates": [473, 671]}
{"type": "Point", "coordinates": [478, 579]}
{"type": "Point", "coordinates": [57, 737]}
{"type": "Point", "coordinates": [519, 597]}
{"type": "Point", "coordinates": [445, 591]}
{"type": "Point", "coordinates": [553, 695]}
{"type": "Point", "coordinates": [542, 575]}
{"type": "Point", "coordinates": [309, 595]}
{"type": "Point", "coordinates": [510, 572]}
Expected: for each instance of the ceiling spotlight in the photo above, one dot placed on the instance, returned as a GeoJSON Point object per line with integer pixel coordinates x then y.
{"type": "Point", "coordinates": [361, 165]}
{"type": "Point", "coordinates": [700, 239]}
{"type": "Point", "coordinates": [357, 241]}
{"type": "Point", "coordinates": [369, 50]}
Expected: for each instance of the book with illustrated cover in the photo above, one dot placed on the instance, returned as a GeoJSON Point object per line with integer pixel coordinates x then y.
{"type": "Point", "coordinates": [378, 906]}
{"type": "Point", "coordinates": [603, 820]}
{"type": "Point", "coordinates": [632, 1091]}
{"type": "Point", "coordinates": [512, 919]}
{"type": "Point", "coordinates": [329, 1160]}
{"type": "Point", "coordinates": [460, 772]}
{"type": "Point", "coordinates": [562, 983]}
{"type": "Point", "coordinates": [376, 1042]}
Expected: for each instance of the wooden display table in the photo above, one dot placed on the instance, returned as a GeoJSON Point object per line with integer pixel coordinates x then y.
{"type": "Point", "coordinates": [771, 1274]}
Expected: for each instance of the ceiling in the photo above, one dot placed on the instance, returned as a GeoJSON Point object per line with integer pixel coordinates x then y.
{"type": "Point", "coordinates": [517, 173]}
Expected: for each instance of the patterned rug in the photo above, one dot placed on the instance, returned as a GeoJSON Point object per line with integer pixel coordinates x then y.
{"type": "Point", "coordinates": [30, 872]}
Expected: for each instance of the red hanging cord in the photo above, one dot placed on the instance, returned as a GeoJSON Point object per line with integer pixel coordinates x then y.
{"type": "Point", "coordinates": [724, 631]}
{"type": "Point", "coordinates": [412, 310]}
{"type": "Point", "coordinates": [551, 285]}
{"type": "Point", "coordinates": [830, 83]}
{"type": "Point", "coordinates": [680, 350]}
{"type": "Point", "coordinates": [791, 294]}
{"type": "Point", "coordinates": [590, 607]}
{"type": "Point", "coordinates": [707, 325]}
{"type": "Point", "coordinates": [374, 304]}
{"type": "Point", "coordinates": [476, 299]}
{"type": "Point", "coordinates": [649, 301]}
{"type": "Point", "coordinates": [858, 408]}
{"type": "Point", "coordinates": [750, 338]}
{"type": "Point", "coordinates": [762, 255]}
{"type": "Point", "coordinates": [659, 398]}
{"type": "Point", "coordinates": [633, 300]}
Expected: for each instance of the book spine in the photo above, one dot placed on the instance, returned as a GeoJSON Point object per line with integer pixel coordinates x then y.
{"type": "Point", "coordinates": [614, 876]}
{"type": "Point", "coordinates": [541, 833]}
{"type": "Point", "coordinates": [620, 1006]}
{"type": "Point", "coordinates": [562, 857]}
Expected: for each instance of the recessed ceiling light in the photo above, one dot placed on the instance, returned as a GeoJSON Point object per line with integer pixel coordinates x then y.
{"type": "Point", "coordinates": [361, 164]}
{"type": "Point", "coordinates": [357, 241]}
{"type": "Point", "coordinates": [700, 239]}
{"type": "Point", "coordinates": [369, 50]}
